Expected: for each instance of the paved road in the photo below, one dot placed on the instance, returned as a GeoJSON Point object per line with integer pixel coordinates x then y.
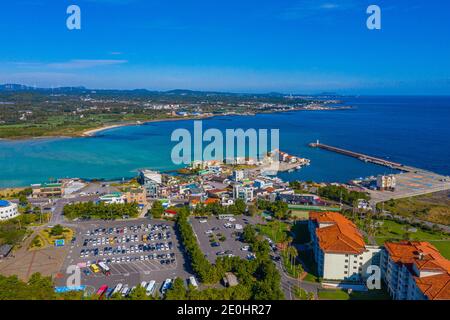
{"type": "Point", "coordinates": [288, 283]}
{"type": "Point", "coordinates": [58, 206]}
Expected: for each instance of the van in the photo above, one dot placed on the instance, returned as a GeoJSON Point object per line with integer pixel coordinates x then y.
{"type": "Point", "coordinates": [193, 282]}
{"type": "Point", "coordinates": [150, 288]}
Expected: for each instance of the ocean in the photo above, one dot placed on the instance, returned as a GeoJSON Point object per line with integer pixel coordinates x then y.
{"type": "Point", "coordinates": [411, 130]}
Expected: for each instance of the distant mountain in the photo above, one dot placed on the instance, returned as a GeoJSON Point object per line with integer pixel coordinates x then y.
{"type": "Point", "coordinates": [20, 87]}
{"type": "Point", "coordinates": [135, 92]}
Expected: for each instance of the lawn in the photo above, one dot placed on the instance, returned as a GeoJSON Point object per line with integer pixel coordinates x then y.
{"type": "Point", "coordinates": [336, 294]}
{"type": "Point", "coordinates": [443, 247]}
{"type": "Point", "coordinates": [49, 239]}
{"type": "Point", "coordinates": [391, 230]}
{"type": "Point", "coordinates": [275, 230]}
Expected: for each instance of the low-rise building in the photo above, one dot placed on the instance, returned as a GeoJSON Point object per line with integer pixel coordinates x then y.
{"type": "Point", "coordinates": [339, 248]}
{"type": "Point", "coordinates": [136, 195]}
{"type": "Point", "coordinates": [414, 270]}
{"type": "Point", "coordinates": [386, 182]}
{"type": "Point", "coordinates": [8, 210]}
{"type": "Point", "coordinates": [47, 190]}
{"type": "Point", "coordinates": [112, 198]}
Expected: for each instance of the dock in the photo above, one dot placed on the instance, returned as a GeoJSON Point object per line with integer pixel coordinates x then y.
{"type": "Point", "coordinates": [365, 158]}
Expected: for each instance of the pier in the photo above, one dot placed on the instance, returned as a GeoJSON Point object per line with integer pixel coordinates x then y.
{"type": "Point", "coordinates": [364, 157]}
{"type": "Point", "coordinates": [411, 181]}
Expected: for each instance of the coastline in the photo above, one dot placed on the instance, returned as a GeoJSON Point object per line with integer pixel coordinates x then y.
{"type": "Point", "coordinates": [91, 132]}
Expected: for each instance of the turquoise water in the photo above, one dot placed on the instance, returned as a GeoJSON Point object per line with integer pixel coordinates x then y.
{"type": "Point", "coordinates": [411, 130]}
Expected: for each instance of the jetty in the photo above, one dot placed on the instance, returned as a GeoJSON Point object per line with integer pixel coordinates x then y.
{"type": "Point", "coordinates": [365, 157]}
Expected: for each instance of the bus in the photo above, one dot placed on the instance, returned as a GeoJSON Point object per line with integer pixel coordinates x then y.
{"type": "Point", "coordinates": [151, 288]}
{"type": "Point", "coordinates": [95, 268]}
{"type": "Point", "coordinates": [101, 291]}
{"type": "Point", "coordinates": [105, 269]}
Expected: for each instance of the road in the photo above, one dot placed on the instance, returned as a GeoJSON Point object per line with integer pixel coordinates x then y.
{"type": "Point", "coordinates": [288, 283]}
{"type": "Point", "coordinates": [58, 206]}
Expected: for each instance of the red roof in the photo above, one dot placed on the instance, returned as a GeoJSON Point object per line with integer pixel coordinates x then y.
{"type": "Point", "coordinates": [172, 212]}
{"type": "Point", "coordinates": [425, 257]}
{"type": "Point", "coordinates": [340, 235]}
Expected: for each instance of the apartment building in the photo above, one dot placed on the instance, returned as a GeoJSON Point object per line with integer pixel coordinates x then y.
{"type": "Point", "coordinates": [415, 270]}
{"type": "Point", "coordinates": [339, 248]}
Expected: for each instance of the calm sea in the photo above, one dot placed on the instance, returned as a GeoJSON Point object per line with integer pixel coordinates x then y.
{"type": "Point", "coordinates": [411, 130]}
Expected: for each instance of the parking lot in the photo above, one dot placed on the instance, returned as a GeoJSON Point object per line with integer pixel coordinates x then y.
{"type": "Point", "coordinates": [133, 251]}
{"type": "Point", "coordinates": [221, 237]}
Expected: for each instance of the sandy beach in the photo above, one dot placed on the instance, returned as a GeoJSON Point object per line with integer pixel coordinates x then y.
{"type": "Point", "coordinates": [93, 132]}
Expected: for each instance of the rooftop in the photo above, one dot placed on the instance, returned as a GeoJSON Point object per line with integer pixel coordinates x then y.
{"type": "Point", "coordinates": [339, 235]}
{"type": "Point", "coordinates": [425, 257]}
{"type": "Point", "coordinates": [4, 203]}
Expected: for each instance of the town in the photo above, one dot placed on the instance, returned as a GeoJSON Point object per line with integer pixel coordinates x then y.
{"type": "Point", "coordinates": [204, 231]}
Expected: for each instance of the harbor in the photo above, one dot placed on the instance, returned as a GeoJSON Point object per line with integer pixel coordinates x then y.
{"type": "Point", "coordinates": [411, 181]}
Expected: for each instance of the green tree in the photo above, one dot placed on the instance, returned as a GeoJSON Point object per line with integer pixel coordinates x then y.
{"type": "Point", "coordinates": [177, 291]}
{"type": "Point", "coordinates": [157, 209]}
{"type": "Point", "coordinates": [57, 230]}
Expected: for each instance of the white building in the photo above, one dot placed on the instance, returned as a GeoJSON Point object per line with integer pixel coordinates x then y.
{"type": "Point", "coordinates": [111, 198]}
{"type": "Point", "coordinates": [151, 181]}
{"type": "Point", "coordinates": [386, 182]}
{"type": "Point", "coordinates": [8, 210]}
{"type": "Point", "coordinates": [243, 192]}
{"type": "Point", "coordinates": [238, 175]}
{"type": "Point", "coordinates": [339, 248]}
{"type": "Point", "coordinates": [415, 270]}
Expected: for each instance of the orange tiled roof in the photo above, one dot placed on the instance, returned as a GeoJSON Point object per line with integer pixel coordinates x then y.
{"type": "Point", "coordinates": [340, 236]}
{"type": "Point", "coordinates": [211, 200]}
{"type": "Point", "coordinates": [426, 258]}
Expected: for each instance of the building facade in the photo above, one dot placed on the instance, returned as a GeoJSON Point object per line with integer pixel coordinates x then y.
{"type": "Point", "coordinates": [386, 182]}
{"type": "Point", "coordinates": [415, 270]}
{"type": "Point", "coordinates": [151, 181]}
{"type": "Point", "coordinates": [339, 248]}
{"type": "Point", "coordinates": [113, 198]}
{"type": "Point", "coordinates": [8, 210]}
{"type": "Point", "coordinates": [47, 190]}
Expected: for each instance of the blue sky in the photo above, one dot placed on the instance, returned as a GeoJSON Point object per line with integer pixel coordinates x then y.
{"type": "Point", "coordinates": [303, 46]}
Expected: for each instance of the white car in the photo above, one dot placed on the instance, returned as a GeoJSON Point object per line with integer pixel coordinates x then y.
{"type": "Point", "coordinates": [232, 219]}
{"type": "Point", "coordinates": [203, 221]}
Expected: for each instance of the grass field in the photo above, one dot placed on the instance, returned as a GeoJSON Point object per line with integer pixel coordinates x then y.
{"type": "Point", "coordinates": [275, 230]}
{"type": "Point", "coordinates": [433, 207]}
{"type": "Point", "coordinates": [391, 230]}
{"type": "Point", "coordinates": [336, 294]}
